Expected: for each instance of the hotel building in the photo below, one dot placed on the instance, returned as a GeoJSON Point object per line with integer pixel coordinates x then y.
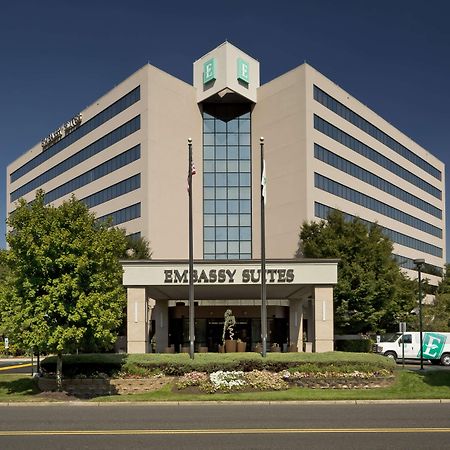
{"type": "Point", "coordinates": [126, 157]}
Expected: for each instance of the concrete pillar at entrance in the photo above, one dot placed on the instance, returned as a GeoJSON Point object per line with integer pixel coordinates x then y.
{"type": "Point", "coordinates": [161, 317]}
{"type": "Point", "coordinates": [296, 323]}
{"type": "Point", "coordinates": [323, 319]}
{"type": "Point", "coordinates": [137, 335]}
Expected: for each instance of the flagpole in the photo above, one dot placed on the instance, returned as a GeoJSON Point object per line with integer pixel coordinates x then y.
{"type": "Point", "coordinates": [191, 258]}
{"type": "Point", "coordinates": [263, 255]}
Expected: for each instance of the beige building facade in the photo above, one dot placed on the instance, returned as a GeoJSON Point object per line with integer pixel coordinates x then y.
{"type": "Point", "coordinates": [126, 157]}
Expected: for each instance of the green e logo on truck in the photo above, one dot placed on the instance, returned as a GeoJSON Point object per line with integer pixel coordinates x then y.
{"type": "Point", "coordinates": [433, 345]}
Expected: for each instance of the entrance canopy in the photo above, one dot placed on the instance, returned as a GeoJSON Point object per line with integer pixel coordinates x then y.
{"type": "Point", "coordinates": [222, 280]}
{"type": "Point", "coordinates": [299, 294]}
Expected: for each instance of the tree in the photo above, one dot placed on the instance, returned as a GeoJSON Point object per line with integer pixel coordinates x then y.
{"type": "Point", "coordinates": [64, 292]}
{"type": "Point", "coordinates": [3, 275]}
{"type": "Point", "coordinates": [4, 270]}
{"type": "Point", "coordinates": [437, 315]}
{"type": "Point", "coordinates": [137, 248]}
{"type": "Point", "coordinates": [372, 294]}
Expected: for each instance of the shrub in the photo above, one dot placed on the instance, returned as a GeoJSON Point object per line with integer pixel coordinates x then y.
{"type": "Point", "coordinates": [86, 364]}
{"type": "Point", "coordinates": [358, 346]}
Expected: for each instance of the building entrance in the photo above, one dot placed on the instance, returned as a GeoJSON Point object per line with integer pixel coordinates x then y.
{"type": "Point", "coordinates": [209, 331]}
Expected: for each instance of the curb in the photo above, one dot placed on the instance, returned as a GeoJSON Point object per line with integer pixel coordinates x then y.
{"type": "Point", "coordinates": [76, 403]}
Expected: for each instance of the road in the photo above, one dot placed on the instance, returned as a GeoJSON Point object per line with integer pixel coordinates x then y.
{"type": "Point", "coordinates": [17, 365]}
{"type": "Point", "coordinates": [226, 426]}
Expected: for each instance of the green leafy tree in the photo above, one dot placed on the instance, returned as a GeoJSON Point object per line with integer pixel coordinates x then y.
{"type": "Point", "coordinates": [372, 294]}
{"type": "Point", "coordinates": [437, 315]}
{"type": "Point", "coordinates": [64, 292]}
{"type": "Point", "coordinates": [4, 270]}
{"type": "Point", "coordinates": [3, 265]}
{"type": "Point", "coordinates": [137, 248]}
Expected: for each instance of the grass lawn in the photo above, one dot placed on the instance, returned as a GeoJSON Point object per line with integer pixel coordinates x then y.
{"type": "Point", "coordinates": [17, 388]}
{"type": "Point", "coordinates": [408, 385]}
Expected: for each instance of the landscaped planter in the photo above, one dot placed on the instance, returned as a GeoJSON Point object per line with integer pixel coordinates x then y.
{"type": "Point", "coordinates": [338, 382]}
{"type": "Point", "coordinates": [93, 387]}
{"type": "Point", "coordinates": [230, 345]}
{"type": "Point", "coordinates": [241, 346]}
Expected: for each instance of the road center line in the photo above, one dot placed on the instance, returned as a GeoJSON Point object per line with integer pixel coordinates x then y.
{"type": "Point", "coordinates": [221, 431]}
{"type": "Point", "coordinates": [17, 366]}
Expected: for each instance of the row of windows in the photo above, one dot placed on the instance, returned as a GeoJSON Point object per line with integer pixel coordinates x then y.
{"type": "Point", "coordinates": [226, 179]}
{"type": "Point", "coordinates": [223, 193]}
{"type": "Point", "coordinates": [373, 131]}
{"type": "Point", "coordinates": [368, 177]}
{"type": "Point", "coordinates": [227, 206]}
{"type": "Point", "coordinates": [94, 174]}
{"type": "Point", "coordinates": [134, 236]}
{"type": "Point", "coordinates": [114, 191]}
{"type": "Point", "coordinates": [323, 211]}
{"type": "Point", "coordinates": [408, 263]}
{"type": "Point", "coordinates": [226, 166]}
{"type": "Point", "coordinates": [120, 105]}
{"type": "Point", "coordinates": [227, 220]}
{"type": "Point", "coordinates": [369, 153]}
{"type": "Point", "coordinates": [227, 250]}
{"type": "Point", "coordinates": [230, 152]}
{"type": "Point", "coordinates": [347, 193]}
{"type": "Point", "coordinates": [122, 215]}
{"type": "Point", "coordinates": [96, 147]}
{"type": "Point", "coordinates": [238, 125]}
{"type": "Point", "coordinates": [227, 139]}
{"type": "Point", "coordinates": [227, 233]}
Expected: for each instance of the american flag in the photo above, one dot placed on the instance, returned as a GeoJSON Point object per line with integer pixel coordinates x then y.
{"type": "Point", "coordinates": [193, 172]}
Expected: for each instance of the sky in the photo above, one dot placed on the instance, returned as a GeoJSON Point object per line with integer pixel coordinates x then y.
{"type": "Point", "coordinates": [57, 57]}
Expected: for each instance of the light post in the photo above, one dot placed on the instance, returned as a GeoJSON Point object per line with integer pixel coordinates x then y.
{"type": "Point", "coordinates": [263, 253]}
{"type": "Point", "coordinates": [419, 263]}
{"type": "Point", "coordinates": [191, 258]}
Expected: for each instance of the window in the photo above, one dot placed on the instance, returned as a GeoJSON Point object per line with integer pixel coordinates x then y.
{"type": "Point", "coordinates": [337, 107]}
{"type": "Point", "coordinates": [102, 117]}
{"type": "Point", "coordinates": [322, 212]}
{"type": "Point", "coordinates": [354, 196]}
{"type": "Point", "coordinates": [369, 153]}
{"type": "Point", "coordinates": [123, 215]}
{"type": "Point", "coordinates": [94, 174]}
{"type": "Point", "coordinates": [87, 152]}
{"type": "Point", "coordinates": [344, 165]}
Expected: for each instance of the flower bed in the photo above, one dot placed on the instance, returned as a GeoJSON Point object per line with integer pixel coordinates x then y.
{"type": "Point", "coordinates": [261, 380]}
{"type": "Point", "coordinates": [340, 380]}
{"type": "Point", "coordinates": [232, 381]}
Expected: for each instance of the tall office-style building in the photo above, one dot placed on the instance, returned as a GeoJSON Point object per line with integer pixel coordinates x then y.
{"type": "Point", "coordinates": [126, 157]}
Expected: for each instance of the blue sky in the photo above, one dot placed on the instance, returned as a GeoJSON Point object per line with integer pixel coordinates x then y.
{"type": "Point", "coordinates": [57, 57]}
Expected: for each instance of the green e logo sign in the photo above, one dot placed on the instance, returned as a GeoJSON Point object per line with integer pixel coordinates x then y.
{"type": "Point", "coordinates": [209, 70]}
{"type": "Point", "coordinates": [243, 71]}
{"type": "Point", "coordinates": [433, 345]}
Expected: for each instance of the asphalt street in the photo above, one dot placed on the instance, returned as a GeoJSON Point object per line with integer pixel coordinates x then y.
{"type": "Point", "coordinates": [16, 365]}
{"type": "Point", "coordinates": [409, 426]}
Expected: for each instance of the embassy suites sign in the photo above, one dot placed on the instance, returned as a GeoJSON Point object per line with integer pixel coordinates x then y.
{"type": "Point", "coordinates": [171, 274]}
{"type": "Point", "coordinates": [228, 276]}
{"type": "Point", "coordinates": [62, 131]}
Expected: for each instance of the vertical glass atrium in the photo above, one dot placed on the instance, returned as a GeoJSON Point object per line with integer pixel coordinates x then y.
{"type": "Point", "coordinates": [227, 214]}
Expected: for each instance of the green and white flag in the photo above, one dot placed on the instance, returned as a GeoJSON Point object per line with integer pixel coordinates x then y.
{"type": "Point", "coordinates": [264, 182]}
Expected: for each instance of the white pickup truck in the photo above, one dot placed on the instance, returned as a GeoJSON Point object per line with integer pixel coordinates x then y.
{"type": "Point", "coordinates": [436, 346]}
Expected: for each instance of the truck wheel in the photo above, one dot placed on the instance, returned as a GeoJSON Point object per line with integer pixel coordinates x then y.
{"type": "Point", "coordinates": [391, 355]}
{"type": "Point", "coordinates": [445, 359]}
